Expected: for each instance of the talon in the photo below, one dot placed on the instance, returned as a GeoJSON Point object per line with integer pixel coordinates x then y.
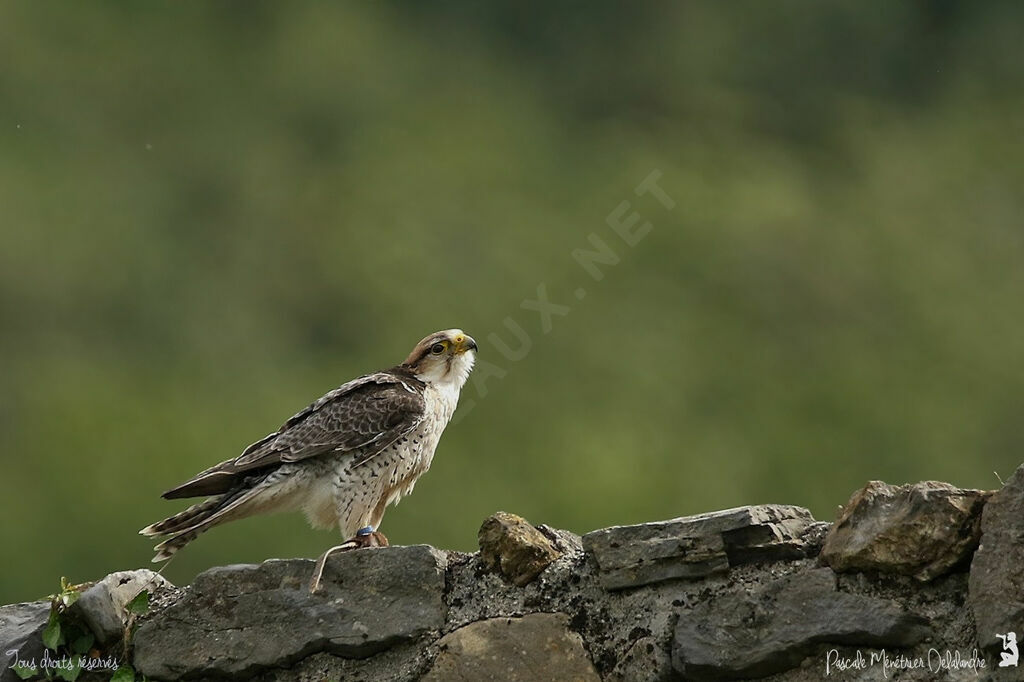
{"type": "Point", "coordinates": [365, 537]}
{"type": "Point", "coordinates": [318, 571]}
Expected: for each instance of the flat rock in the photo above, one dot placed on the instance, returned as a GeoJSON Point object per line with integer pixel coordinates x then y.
{"type": "Point", "coordinates": [697, 546]}
{"type": "Point", "coordinates": [996, 584]}
{"type": "Point", "coordinates": [514, 548]}
{"type": "Point", "coordinates": [923, 530]}
{"type": "Point", "coordinates": [21, 631]}
{"type": "Point", "coordinates": [539, 646]}
{"type": "Point", "coordinates": [753, 634]}
{"type": "Point", "coordinates": [102, 606]}
{"type": "Point", "coordinates": [647, 659]}
{"type": "Point", "coordinates": [399, 664]}
{"type": "Point", "coordinates": [236, 620]}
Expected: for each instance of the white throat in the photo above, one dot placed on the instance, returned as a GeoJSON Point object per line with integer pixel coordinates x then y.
{"type": "Point", "coordinates": [450, 378]}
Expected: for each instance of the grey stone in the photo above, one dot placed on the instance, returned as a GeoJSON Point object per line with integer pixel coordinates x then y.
{"type": "Point", "coordinates": [21, 631]}
{"type": "Point", "coordinates": [514, 548]}
{"type": "Point", "coordinates": [565, 542]}
{"type": "Point", "coordinates": [697, 546]}
{"type": "Point", "coordinates": [996, 584]}
{"type": "Point", "coordinates": [646, 660]}
{"type": "Point", "coordinates": [814, 536]}
{"type": "Point", "coordinates": [237, 620]}
{"type": "Point", "coordinates": [539, 646]}
{"type": "Point", "coordinates": [753, 634]}
{"type": "Point", "coordinates": [403, 663]}
{"type": "Point", "coordinates": [102, 606]}
{"type": "Point", "coordinates": [924, 530]}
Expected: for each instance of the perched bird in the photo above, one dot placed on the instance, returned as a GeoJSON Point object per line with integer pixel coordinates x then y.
{"type": "Point", "coordinates": [342, 460]}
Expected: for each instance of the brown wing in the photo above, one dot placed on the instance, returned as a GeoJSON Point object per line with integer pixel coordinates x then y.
{"type": "Point", "coordinates": [362, 417]}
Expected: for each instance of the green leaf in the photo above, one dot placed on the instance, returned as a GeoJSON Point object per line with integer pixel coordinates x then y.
{"type": "Point", "coordinates": [139, 604]}
{"type": "Point", "coordinates": [70, 673]}
{"type": "Point", "coordinates": [124, 673]}
{"type": "Point", "coordinates": [72, 630]}
{"type": "Point", "coordinates": [82, 643]}
{"type": "Point", "coordinates": [52, 635]}
{"type": "Point", "coordinates": [23, 671]}
{"type": "Point", "coordinates": [69, 597]}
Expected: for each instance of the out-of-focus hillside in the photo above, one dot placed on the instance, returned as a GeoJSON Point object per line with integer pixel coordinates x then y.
{"type": "Point", "coordinates": [211, 214]}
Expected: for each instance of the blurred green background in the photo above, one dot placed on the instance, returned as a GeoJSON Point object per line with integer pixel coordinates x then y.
{"type": "Point", "coordinates": [212, 213]}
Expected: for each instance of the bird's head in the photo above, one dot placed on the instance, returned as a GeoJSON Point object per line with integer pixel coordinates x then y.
{"type": "Point", "coordinates": [444, 357]}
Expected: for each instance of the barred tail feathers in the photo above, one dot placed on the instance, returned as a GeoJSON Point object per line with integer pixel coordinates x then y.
{"type": "Point", "coordinates": [186, 526]}
{"type": "Point", "coordinates": [182, 520]}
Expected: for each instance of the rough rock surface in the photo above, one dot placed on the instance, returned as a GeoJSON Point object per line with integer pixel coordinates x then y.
{"type": "Point", "coordinates": [511, 546]}
{"type": "Point", "coordinates": [102, 606]}
{"type": "Point", "coordinates": [697, 546]}
{"type": "Point", "coordinates": [742, 635]}
{"type": "Point", "coordinates": [238, 619]}
{"type": "Point", "coordinates": [997, 571]}
{"type": "Point", "coordinates": [924, 529]}
{"type": "Point", "coordinates": [21, 629]}
{"type": "Point", "coordinates": [539, 646]}
{"type": "Point", "coordinates": [403, 613]}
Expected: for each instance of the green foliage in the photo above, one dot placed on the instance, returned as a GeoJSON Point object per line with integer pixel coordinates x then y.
{"type": "Point", "coordinates": [139, 603]}
{"type": "Point", "coordinates": [67, 596]}
{"type": "Point", "coordinates": [53, 636]}
{"type": "Point", "coordinates": [124, 673]}
{"type": "Point", "coordinates": [24, 671]}
{"type": "Point", "coordinates": [71, 672]}
{"type": "Point", "coordinates": [200, 239]}
{"type": "Point", "coordinates": [83, 642]}
{"type": "Point", "coordinates": [71, 641]}
{"type": "Point", "coordinates": [58, 626]}
{"type": "Point", "coordinates": [63, 635]}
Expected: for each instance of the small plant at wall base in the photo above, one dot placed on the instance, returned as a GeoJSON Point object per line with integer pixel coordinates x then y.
{"type": "Point", "coordinates": [71, 646]}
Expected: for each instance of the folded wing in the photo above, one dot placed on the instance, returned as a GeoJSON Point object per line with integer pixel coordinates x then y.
{"type": "Point", "coordinates": [362, 417]}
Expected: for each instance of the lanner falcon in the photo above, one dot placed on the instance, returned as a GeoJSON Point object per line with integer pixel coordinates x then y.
{"type": "Point", "coordinates": [343, 459]}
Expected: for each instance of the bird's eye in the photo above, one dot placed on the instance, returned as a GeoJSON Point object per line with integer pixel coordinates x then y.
{"type": "Point", "coordinates": [437, 348]}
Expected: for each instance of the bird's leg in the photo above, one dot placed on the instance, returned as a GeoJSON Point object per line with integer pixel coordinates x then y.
{"type": "Point", "coordinates": [365, 537]}
{"type": "Point", "coordinates": [379, 539]}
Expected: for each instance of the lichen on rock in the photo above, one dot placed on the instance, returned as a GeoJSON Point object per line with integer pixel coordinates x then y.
{"type": "Point", "coordinates": [514, 548]}
{"type": "Point", "coordinates": [924, 529]}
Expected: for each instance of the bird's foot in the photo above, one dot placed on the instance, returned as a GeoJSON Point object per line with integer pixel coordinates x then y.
{"type": "Point", "coordinates": [365, 537]}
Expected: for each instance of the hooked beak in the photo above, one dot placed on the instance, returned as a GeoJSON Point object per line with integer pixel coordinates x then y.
{"type": "Point", "coordinates": [466, 343]}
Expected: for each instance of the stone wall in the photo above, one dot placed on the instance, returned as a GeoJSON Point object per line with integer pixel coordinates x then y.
{"type": "Point", "coordinates": [911, 583]}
